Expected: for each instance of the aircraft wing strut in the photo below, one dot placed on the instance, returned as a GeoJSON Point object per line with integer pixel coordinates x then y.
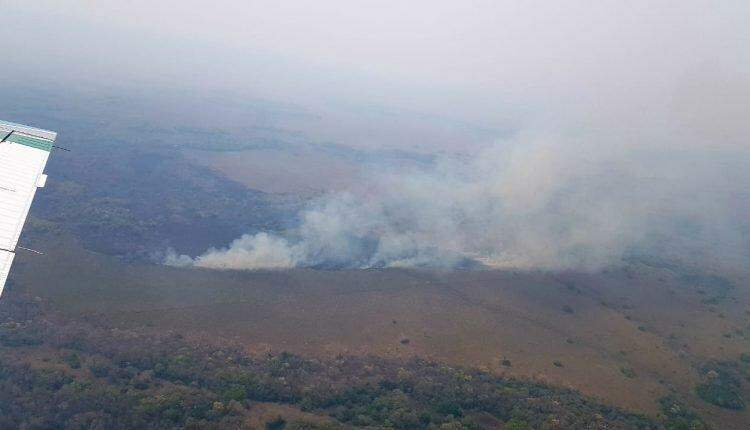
{"type": "Point", "coordinates": [23, 155]}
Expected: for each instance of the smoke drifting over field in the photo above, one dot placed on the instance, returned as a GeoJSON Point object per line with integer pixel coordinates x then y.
{"type": "Point", "coordinates": [630, 119]}
{"type": "Point", "coordinates": [549, 201]}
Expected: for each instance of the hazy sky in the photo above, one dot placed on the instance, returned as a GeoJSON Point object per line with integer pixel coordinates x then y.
{"type": "Point", "coordinates": [630, 116]}
{"type": "Point", "coordinates": [481, 60]}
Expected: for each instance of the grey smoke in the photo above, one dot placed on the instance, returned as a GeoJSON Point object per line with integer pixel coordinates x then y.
{"type": "Point", "coordinates": [660, 169]}
{"type": "Point", "coordinates": [581, 200]}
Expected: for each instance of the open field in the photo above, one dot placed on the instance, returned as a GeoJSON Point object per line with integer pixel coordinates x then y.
{"type": "Point", "coordinates": [276, 171]}
{"type": "Point", "coordinates": [627, 336]}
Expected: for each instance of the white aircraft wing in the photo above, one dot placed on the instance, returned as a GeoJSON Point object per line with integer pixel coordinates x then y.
{"type": "Point", "coordinates": [23, 154]}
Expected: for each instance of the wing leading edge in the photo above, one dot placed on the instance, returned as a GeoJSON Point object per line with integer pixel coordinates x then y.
{"type": "Point", "coordinates": [23, 155]}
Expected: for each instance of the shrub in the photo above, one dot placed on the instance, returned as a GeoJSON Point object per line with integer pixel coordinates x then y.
{"type": "Point", "coordinates": [628, 372]}
{"type": "Point", "coordinates": [718, 393]}
{"type": "Point", "coordinates": [73, 361]}
{"type": "Point", "coordinates": [517, 424]}
{"type": "Point", "coordinates": [99, 368]}
{"type": "Point", "coordinates": [277, 423]}
{"type": "Point", "coordinates": [679, 416]}
{"type": "Point", "coordinates": [723, 386]}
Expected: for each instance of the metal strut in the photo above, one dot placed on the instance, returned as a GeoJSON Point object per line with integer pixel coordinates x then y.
{"type": "Point", "coordinates": [25, 249]}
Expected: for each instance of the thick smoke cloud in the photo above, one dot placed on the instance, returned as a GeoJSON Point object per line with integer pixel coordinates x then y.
{"type": "Point", "coordinates": [657, 165]}
{"type": "Point", "coordinates": [581, 201]}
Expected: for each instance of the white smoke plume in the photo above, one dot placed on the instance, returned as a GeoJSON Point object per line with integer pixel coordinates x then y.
{"type": "Point", "coordinates": [582, 201]}
{"type": "Point", "coordinates": [658, 164]}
